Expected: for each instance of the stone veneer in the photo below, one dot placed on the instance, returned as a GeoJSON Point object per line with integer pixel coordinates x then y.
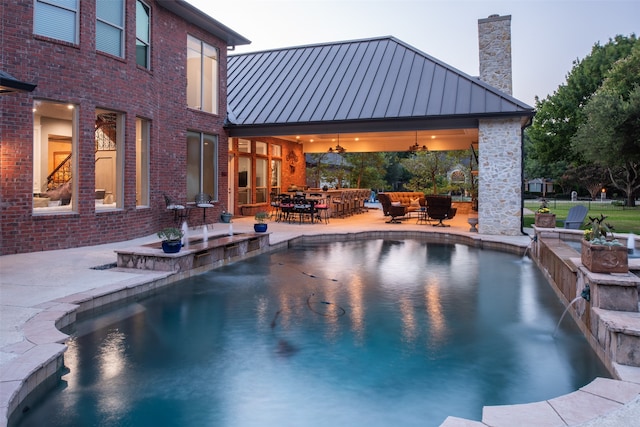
{"type": "Point", "coordinates": [499, 141]}
{"type": "Point", "coordinates": [500, 177]}
{"type": "Point", "coordinates": [494, 41]}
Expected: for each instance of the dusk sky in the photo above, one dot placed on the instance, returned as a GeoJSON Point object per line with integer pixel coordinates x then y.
{"type": "Point", "coordinates": [547, 36]}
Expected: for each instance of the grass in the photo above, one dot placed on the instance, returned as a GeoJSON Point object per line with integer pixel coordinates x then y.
{"type": "Point", "coordinates": [624, 220]}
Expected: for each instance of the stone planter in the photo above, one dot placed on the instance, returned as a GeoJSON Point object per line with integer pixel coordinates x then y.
{"type": "Point", "coordinates": [545, 220]}
{"type": "Point", "coordinates": [604, 259]}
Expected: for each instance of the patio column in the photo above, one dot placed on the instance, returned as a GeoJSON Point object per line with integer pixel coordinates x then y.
{"type": "Point", "coordinates": [499, 177]}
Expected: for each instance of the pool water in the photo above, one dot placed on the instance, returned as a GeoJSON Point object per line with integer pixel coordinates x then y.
{"type": "Point", "coordinates": [374, 332]}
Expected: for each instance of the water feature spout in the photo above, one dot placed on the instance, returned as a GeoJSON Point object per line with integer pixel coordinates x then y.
{"type": "Point", "coordinates": [205, 233]}
{"type": "Point", "coordinates": [586, 293]}
{"type": "Point", "coordinates": [573, 301]}
{"type": "Point", "coordinates": [631, 244]}
{"type": "Point", "coordinates": [185, 234]}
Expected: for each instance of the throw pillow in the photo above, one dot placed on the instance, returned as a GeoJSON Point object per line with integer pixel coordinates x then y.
{"type": "Point", "coordinates": [415, 203]}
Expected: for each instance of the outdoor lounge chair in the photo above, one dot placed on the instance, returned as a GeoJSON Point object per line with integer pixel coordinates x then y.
{"type": "Point", "coordinates": [389, 209]}
{"type": "Point", "coordinates": [575, 217]}
{"type": "Point", "coordinates": [439, 208]}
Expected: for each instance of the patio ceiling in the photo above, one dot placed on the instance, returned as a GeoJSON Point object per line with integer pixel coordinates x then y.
{"type": "Point", "coordinates": [367, 142]}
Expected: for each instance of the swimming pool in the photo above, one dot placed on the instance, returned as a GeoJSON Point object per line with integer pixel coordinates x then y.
{"type": "Point", "coordinates": [375, 332]}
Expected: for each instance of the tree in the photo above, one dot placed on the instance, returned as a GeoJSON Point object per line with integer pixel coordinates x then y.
{"type": "Point", "coordinates": [367, 169]}
{"type": "Point", "coordinates": [559, 115]}
{"type": "Point", "coordinates": [428, 169]}
{"type": "Point", "coordinates": [610, 134]}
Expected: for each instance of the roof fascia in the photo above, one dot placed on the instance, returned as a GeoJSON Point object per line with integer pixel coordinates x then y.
{"type": "Point", "coordinates": [197, 17]}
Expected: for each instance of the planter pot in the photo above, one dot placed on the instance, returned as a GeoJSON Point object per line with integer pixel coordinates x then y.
{"type": "Point", "coordinates": [260, 228]}
{"type": "Point", "coordinates": [171, 247]}
{"type": "Point", "coordinates": [604, 259]}
{"type": "Point", "coordinates": [545, 220]}
{"type": "Point", "coordinates": [226, 217]}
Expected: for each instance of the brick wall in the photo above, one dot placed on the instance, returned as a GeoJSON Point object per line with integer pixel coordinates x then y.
{"type": "Point", "coordinates": [78, 74]}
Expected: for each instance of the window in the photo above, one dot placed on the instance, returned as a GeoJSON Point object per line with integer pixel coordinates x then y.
{"type": "Point", "coordinates": [244, 180]}
{"type": "Point", "coordinates": [276, 150]}
{"type": "Point", "coordinates": [57, 19]}
{"type": "Point", "coordinates": [261, 180]}
{"type": "Point", "coordinates": [202, 76]}
{"type": "Point", "coordinates": [202, 165]}
{"type": "Point", "coordinates": [142, 162]}
{"type": "Point", "coordinates": [244, 146]}
{"type": "Point", "coordinates": [261, 148]}
{"type": "Point", "coordinates": [276, 176]}
{"type": "Point", "coordinates": [142, 35]}
{"type": "Point", "coordinates": [54, 163]}
{"type": "Point", "coordinates": [110, 27]}
{"type": "Point", "coordinates": [108, 159]}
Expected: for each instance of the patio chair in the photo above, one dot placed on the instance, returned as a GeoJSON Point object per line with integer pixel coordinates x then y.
{"type": "Point", "coordinates": [180, 213]}
{"type": "Point", "coordinates": [439, 208]}
{"type": "Point", "coordinates": [575, 217]}
{"type": "Point", "coordinates": [389, 209]}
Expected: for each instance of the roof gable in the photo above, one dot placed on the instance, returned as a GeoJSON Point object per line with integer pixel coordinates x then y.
{"type": "Point", "coordinates": [373, 79]}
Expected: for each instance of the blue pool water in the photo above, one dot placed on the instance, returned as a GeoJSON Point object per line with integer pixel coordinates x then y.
{"type": "Point", "coordinates": [362, 333]}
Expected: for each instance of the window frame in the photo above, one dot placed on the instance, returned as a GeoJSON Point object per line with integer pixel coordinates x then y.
{"type": "Point", "coordinates": [196, 84]}
{"type": "Point", "coordinates": [121, 29]}
{"type": "Point", "coordinates": [55, 4]}
{"type": "Point", "coordinates": [147, 44]}
{"type": "Point", "coordinates": [38, 162]}
{"type": "Point", "coordinates": [142, 161]}
{"type": "Point", "coordinates": [202, 188]}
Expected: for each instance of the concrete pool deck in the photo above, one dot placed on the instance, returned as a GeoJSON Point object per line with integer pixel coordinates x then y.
{"type": "Point", "coordinates": [41, 291]}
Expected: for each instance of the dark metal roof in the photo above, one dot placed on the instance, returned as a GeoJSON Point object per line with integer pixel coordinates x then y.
{"type": "Point", "coordinates": [359, 83]}
{"type": "Point", "coordinates": [9, 84]}
{"type": "Point", "coordinates": [197, 17]}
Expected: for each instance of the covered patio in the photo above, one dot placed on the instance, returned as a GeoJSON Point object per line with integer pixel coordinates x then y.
{"type": "Point", "coordinates": [382, 95]}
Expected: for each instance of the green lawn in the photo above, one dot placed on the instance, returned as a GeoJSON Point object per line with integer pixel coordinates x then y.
{"type": "Point", "coordinates": [624, 220]}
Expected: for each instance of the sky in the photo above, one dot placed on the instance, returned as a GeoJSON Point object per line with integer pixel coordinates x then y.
{"type": "Point", "coordinates": [546, 36]}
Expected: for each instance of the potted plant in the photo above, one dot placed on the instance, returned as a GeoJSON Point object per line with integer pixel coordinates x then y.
{"type": "Point", "coordinates": [601, 252]}
{"type": "Point", "coordinates": [225, 216]}
{"type": "Point", "coordinates": [171, 239]}
{"type": "Point", "coordinates": [261, 217]}
{"type": "Point", "coordinates": [544, 217]}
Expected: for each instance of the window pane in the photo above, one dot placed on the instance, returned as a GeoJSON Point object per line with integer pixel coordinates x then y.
{"type": "Point", "coordinates": [194, 83]}
{"type": "Point", "coordinates": [193, 165]}
{"type": "Point", "coordinates": [209, 161]}
{"type": "Point", "coordinates": [142, 162]}
{"type": "Point", "coordinates": [276, 166]}
{"type": "Point", "coordinates": [142, 34]}
{"type": "Point", "coordinates": [54, 165]}
{"type": "Point", "coordinates": [110, 11]}
{"type": "Point", "coordinates": [210, 79]}
{"type": "Point", "coordinates": [56, 22]}
{"type": "Point", "coordinates": [108, 169]}
{"type": "Point", "coordinates": [108, 39]}
{"type": "Point", "coordinates": [244, 180]}
{"type": "Point", "coordinates": [276, 151]}
{"type": "Point", "coordinates": [261, 148]}
{"type": "Point", "coordinates": [244, 146]}
{"type": "Point", "coordinates": [261, 180]}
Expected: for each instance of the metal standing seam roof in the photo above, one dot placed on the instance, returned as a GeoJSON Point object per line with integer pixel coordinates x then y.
{"type": "Point", "coordinates": [360, 80]}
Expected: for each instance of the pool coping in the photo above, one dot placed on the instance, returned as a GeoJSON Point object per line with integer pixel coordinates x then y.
{"type": "Point", "coordinates": [39, 356]}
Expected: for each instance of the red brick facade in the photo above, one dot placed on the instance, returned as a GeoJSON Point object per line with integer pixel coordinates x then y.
{"type": "Point", "coordinates": [78, 74]}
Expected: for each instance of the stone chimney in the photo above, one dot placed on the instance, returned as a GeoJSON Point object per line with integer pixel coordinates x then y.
{"type": "Point", "coordinates": [494, 35]}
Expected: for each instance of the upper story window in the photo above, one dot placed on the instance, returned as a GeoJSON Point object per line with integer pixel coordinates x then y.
{"type": "Point", "coordinates": [202, 76]}
{"type": "Point", "coordinates": [110, 27]}
{"type": "Point", "coordinates": [143, 31]}
{"type": "Point", "coordinates": [57, 19]}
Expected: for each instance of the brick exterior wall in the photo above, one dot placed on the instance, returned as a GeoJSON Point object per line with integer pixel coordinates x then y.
{"type": "Point", "coordinates": [78, 74]}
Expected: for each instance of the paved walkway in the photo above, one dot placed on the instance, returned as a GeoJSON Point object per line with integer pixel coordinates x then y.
{"type": "Point", "coordinates": [37, 289]}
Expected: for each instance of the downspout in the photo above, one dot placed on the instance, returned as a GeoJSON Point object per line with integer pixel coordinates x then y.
{"type": "Point", "coordinates": [529, 123]}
